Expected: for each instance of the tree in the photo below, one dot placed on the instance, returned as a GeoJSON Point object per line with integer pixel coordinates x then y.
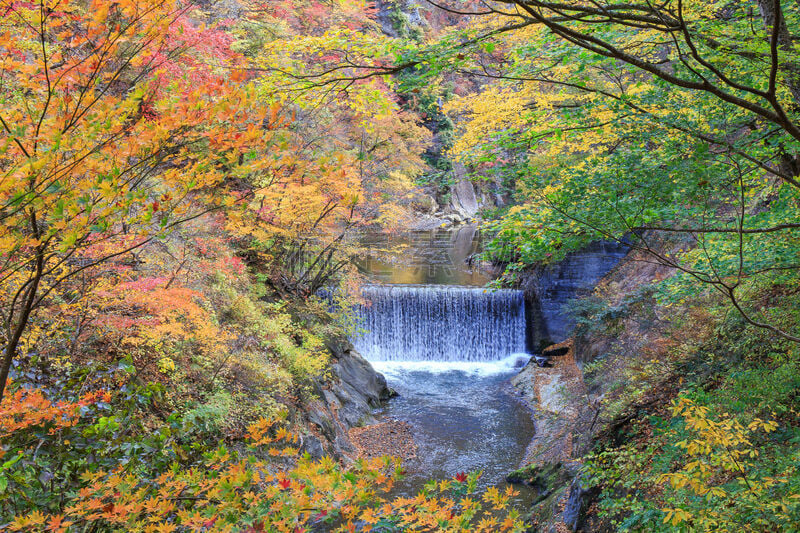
{"type": "Point", "coordinates": [632, 120]}
{"type": "Point", "coordinates": [348, 155]}
{"type": "Point", "coordinates": [114, 126]}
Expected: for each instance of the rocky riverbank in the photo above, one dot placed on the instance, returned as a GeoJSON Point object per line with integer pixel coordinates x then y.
{"type": "Point", "coordinates": [574, 397]}
{"type": "Point", "coordinates": [564, 415]}
{"type": "Point", "coordinates": [345, 401]}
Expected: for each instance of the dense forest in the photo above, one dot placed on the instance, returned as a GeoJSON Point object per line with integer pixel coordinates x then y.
{"type": "Point", "coordinates": [183, 184]}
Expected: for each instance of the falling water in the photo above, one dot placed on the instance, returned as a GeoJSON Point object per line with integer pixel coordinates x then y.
{"type": "Point", "coordinates": [440, 323]}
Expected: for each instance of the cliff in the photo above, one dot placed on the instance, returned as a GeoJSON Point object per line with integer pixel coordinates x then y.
{"type": "Point", "coordinates": [549, 288]}
{"type": "Point", "coordinates": [570, 399]}
{"type": "Point", "coordinates": [344, 401]}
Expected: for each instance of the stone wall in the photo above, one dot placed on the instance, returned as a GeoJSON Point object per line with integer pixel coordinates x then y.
{"type": "Point", "coordinates": [549, 288]}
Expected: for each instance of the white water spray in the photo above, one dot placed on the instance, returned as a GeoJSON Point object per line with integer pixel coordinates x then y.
{"type": "Point", "coordinates": [440, 323]}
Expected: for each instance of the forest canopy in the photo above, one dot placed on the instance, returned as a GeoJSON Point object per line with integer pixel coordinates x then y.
{"type": "Point", "coordinates": [182, 189]}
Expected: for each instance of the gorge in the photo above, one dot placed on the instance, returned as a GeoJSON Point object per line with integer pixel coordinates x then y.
{"type": "Point", "coordinates": [399, 266]}
{"type": "Point", "coordinates": [450, 350]}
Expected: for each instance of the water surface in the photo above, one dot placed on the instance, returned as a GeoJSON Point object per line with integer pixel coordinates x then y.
{"type": "Point", "coordinates": [464, 417]}
{"type": "Point", "coordinates": [448, 348]}
{"type": "Point", "coordinates": [441, 257]}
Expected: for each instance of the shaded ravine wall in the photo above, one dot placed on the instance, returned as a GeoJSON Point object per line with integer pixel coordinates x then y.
{"type": "Point", "coordinates": [345, 398]}
{"type": "Point", "coordinates": [548, 288]}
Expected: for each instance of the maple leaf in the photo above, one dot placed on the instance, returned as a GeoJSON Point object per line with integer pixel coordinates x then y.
{"type": "Point", "coordinates": [257, 527]}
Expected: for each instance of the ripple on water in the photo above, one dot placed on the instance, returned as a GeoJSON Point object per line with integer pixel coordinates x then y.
{"type": "Point", "coordinates": [463, 416]}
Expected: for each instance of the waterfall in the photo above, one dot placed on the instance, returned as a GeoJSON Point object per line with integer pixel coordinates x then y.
{"type": "Point", "coordinates": [440, 323]}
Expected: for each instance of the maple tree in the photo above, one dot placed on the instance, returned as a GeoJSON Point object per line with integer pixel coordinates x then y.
{"type": "Point", "coordinates": [263, 488]}
{"type": "Point", "coordinates": [348, 157]}
{"type": "Point", "coordinates": [158, 183]}
{"type": "Point", "coordinates": [108, 141]}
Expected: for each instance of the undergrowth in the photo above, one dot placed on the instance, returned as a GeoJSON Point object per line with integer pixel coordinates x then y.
{"type": "Point", "coordinates": [714, 443]}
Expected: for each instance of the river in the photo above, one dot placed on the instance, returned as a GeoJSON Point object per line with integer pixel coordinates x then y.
{"type": "Point", "coordinates": [448, 347]}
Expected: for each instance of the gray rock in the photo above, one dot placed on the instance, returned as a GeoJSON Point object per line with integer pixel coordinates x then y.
{"type": "Point", "coordinates": [364, 381]}
{"type": "Point", "coordinates": [462, 195]}
{"type": "Point", "coordinates": [427, 223]}
{"type": "Point", "coordinates": [549, 288]}
{"type": "Point", "coordinates": [576, 504]}
{"type": "Point", "coordinates": [319, 414]}
{"type": "Point", "coordinates": [222, 9]}
{"type": "Point", "coordinates": [425, 204]}
{"type": "Point", "coordinates": [313, 446]}
{"type": "Point", "coordinates": [345, 401]}
{"type": "Point", "coordinates": [388, 10]}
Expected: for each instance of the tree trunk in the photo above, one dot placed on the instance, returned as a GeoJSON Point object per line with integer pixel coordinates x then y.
{"type": "Point", "coordinates": [22, 322]}
{"type": "Point", "coordinates": [771, 13]}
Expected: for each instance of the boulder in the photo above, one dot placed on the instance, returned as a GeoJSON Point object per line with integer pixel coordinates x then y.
{"type": "Point", "coordinates": [345, 401]}
{"type": "Point", "coordinates": [454, 218]}
{"type": "Point", "coordinates": [560, 497]}
{"type": "Point", "coordinates": [360, 382]}
{"type": "Point", "coordinates": [462, 195]}
{"type": "Point", "coordinates": [425, 204]}
{"type": "Point", "coordinates": [545, 479]}
{"type": "Point", "coordinates": [577, 503]}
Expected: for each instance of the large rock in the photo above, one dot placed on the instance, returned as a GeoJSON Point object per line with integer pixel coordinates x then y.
{"type": "Point", "coordinates": [549, 288]}
{"type": "Point", "coordinates": [577, 503]}
{"type": "Point", "coordinates": [360, 388]}
{"type": "Point", "coordinates": [564, 421]}
{"type": "Point", "coordinates": [462, 195]}
{"type": "Point", "coordinates": [559, 499]}
{"type": "Point", "coordinates": [425, 204]}
{"type": "Point", "coordinates": [398, 18]}
{"type": "Point", "coordinates": [345, 401]}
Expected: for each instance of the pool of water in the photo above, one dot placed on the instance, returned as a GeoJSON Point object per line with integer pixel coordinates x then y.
{"type": "Point", "coordinates": [440, 257]}
{"type": "Point", "coordinates": [464, 417]}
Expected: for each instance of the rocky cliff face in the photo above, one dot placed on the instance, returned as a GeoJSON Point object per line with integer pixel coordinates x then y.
{"type": "Point", "coordinates": [565, 419]}
{"type": "Point", "coordinates": [401, 17]}
{"type": "Point", "coordinates": [463, 201]}
{"type": "Point", "coordinates": [462, 207]}
{"type": "Point", "coordinates": [548, 289]}
{"type": "Point", "coordinates": [345, 401]}
{"type": "Point", "coordinates": [570, 398]}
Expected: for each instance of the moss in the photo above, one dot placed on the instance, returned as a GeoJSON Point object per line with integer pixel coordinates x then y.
{"type": "Point", "coordinates": [548, 509]}
{"type": "Point", "coordinates": [546, 479]}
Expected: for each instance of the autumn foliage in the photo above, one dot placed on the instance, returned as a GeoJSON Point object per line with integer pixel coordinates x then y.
{"type": "Point", "coordinates": [113, 129]}
{"type": "Point", "coordinates": [167, 216]}
{"type": "Point", "coordinates": [253, 490]}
